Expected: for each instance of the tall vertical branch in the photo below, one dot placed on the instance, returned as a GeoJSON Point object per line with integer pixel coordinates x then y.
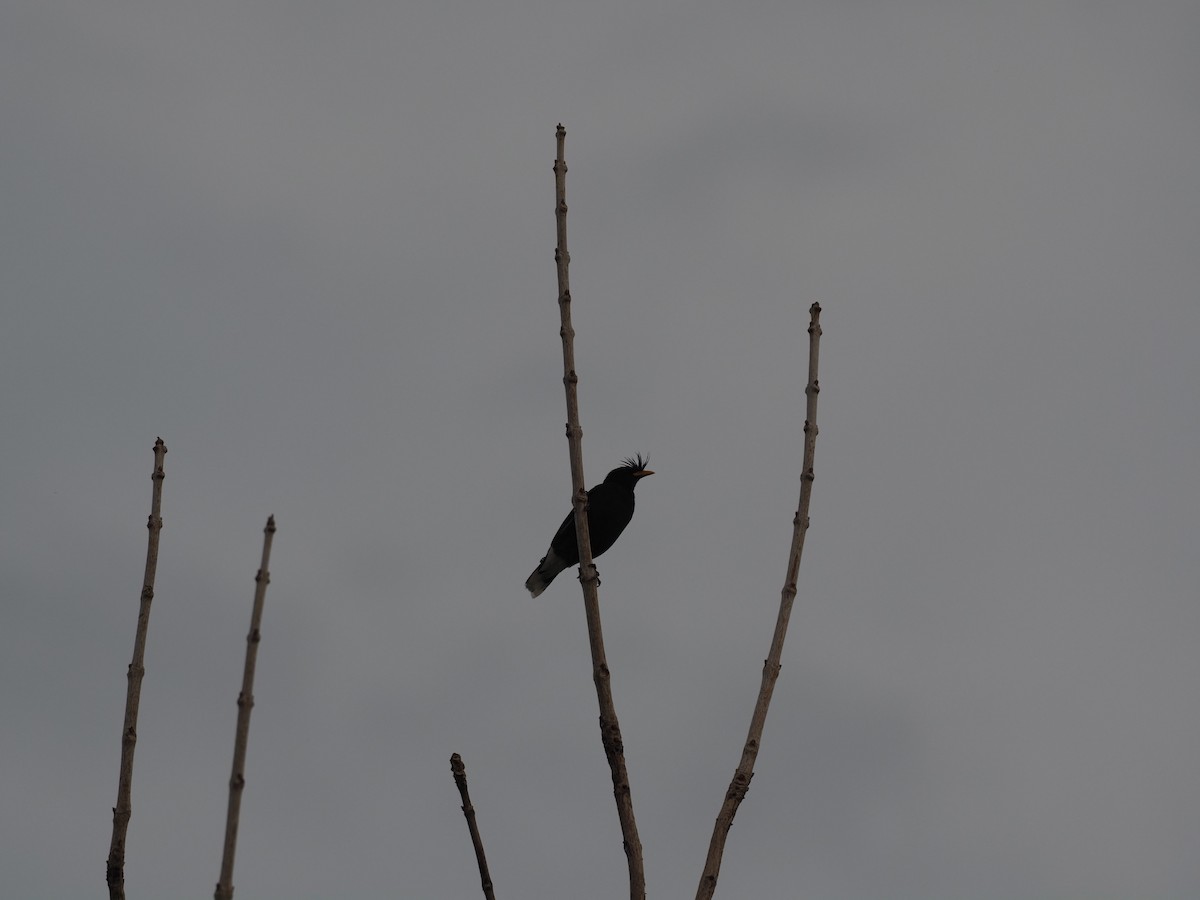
{"type": "Point", "coordinates": [124, 808]}
{"type": "Point", "coordinates": [745, 770]}
{"type": "Point", "coordinates": [237, 781]}
{"type": "Point", "coordinates": [459, 771]}
{"type": "Point", "coordinates": [610, 730]}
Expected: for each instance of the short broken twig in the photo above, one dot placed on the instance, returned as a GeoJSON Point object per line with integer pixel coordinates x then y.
{"type": "Point", "coordinates": [460, 778]}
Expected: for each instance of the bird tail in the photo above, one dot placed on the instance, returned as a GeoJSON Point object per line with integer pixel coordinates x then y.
{"type": "Point", "coordinates": [545, 573]}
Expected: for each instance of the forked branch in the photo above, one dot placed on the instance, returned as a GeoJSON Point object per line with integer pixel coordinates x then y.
{"type": "Point", "coordinates": [745, 770]}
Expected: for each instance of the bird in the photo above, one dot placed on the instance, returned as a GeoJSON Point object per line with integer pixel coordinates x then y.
{"type": "Point", "coordinates": [609, 509]}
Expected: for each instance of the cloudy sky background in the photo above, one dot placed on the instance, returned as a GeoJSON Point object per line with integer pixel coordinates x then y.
{"type": "Point", "coordinates": [311, 246]}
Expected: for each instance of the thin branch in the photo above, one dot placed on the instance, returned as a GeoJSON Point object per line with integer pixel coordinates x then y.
{"type": "Point", "coordinates": [745, 770]}
{"type": "Point", "coordinates": [124, 808]}
{"type": "Point", "coordinates": [460, 778]}
{"type": "Point", "coordinates": [237, 781]}
{"type": "Point", "coordinates": [610, 730]}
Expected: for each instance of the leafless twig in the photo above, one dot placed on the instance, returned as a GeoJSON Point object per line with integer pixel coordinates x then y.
{"type": "Point", "coordinates": [745, 770]}
{"type": "Point", "coordinates": [237, 780]}
{"type": "Point", "coordinates": [460, 778]}
{"type": "Point", "coordinates": [610, 730]}
{"type": "Point", "coordinates": [124, 808]}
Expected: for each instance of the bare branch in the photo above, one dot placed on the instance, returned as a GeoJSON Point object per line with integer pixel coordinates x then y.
{"type": "Point", "coordinates": [460, 778]}
{"type": "Point", "coordinates": [237, 781]}
{"type": "Point", "coordinates": [124, 808]}
{"type": "Point", "coordinates": [745, 770]}
{"type": "Point", "coordinates": [610, 730]}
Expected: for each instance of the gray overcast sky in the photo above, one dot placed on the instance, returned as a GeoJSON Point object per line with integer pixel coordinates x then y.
{"type": "Point", "coordinates": [311, 245]}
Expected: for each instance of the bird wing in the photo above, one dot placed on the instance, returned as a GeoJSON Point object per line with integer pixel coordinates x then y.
{"type": "Point", "coordinates": [564, 543]}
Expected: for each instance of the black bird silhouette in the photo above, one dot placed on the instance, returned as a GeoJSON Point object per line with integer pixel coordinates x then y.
{"type": "Point", "coordinates": [609, 509]}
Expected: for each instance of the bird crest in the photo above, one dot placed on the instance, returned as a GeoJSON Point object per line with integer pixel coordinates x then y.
{"type": "Point", "coordinates": [635, 463]}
